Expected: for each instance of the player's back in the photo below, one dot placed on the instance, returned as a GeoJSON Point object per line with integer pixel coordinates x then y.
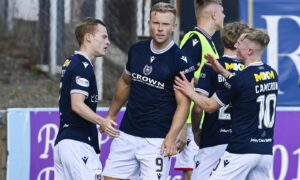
{"type": "Point", "coordinates": [216, 128]}
{"type": "Point", "coordinates": [254, 93]}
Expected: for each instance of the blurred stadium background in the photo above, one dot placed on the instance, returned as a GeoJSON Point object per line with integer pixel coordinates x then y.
{"type": "Point", "coordinates": [37, 35]}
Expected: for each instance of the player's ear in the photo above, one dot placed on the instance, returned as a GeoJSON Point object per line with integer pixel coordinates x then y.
{"type": "Point", "coordinates": [174, 26]}
{"type": "Point", "coordinates": [213, 14]}
{"type": "Point", "coordinates": [88, 37]}
{"type": "Point", "coordinates": [250, 51]}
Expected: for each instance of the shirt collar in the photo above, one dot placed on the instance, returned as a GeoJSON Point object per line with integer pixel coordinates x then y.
{"type": "Point", "coordinates": [256, 63]}
{"type": "Point", "coordinates": [203, 32]}
{"type": "Point", "coordinates": [230, 56]}
{"type": "Point", "coordinates": [160, 51]}
{"type": "Point", "coordinates": [84, 55]}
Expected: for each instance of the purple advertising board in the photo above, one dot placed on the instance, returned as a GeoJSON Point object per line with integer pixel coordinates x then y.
{"type": "Point", "coordinates": [42, 126]}
{"type": "Point", "coordinates": [286, 147]}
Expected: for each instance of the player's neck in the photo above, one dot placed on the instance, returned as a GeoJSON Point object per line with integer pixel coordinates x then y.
{"type": "Point", "coordinates": [229, 52]}
{"type": "Point", "coordinates": [87, 51]}
{"type": "Point", "coordinates": [251, 60]}
{"type": "Point", "coordinates": [207, 27]}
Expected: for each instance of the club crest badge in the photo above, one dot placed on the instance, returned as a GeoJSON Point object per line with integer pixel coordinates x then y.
{"type": "Point", "coordinates": [147, 70]}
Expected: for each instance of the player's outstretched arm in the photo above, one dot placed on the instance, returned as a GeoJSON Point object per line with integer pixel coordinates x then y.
{"type": "Point", "coordinates": [196, 115]}
{"type": "Point", "coordinates": [121, 95]}
{"type": "Point", "coordinates": [187, 88]}
{"type": "Point", "coordinates": [212, 62]}
{"type": "Point", "coordinates": [79, 107]}
{"type": "Point", "coordinates": [183, 103]}
{"type": "Point", "coordinates": [181, 139]}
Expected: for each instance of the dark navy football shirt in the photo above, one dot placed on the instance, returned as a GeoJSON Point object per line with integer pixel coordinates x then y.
{"type": "Point", "coordinates": [77, 77]}
{"type": "Point", "coordinates": [216, 127]}
{"type": "Point", "coordinates": [151, 103]}
{"type": "Point", "coordinates": [253, 93]}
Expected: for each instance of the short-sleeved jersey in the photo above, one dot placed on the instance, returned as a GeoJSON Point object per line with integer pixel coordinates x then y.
{"type": "Point", "coordinates": [151, 103]}
{"type": "Point", "coordinates": [252, 93]}
{"type": "Point", "coordinates": [77, 77]}
{"type": "Point", "coordinates": [216, 127]}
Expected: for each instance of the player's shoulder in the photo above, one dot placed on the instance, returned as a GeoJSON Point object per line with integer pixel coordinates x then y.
{"type": "Point", "coordinates": [79, 62]}
{"type": "Point", "coordinates": [231, 63]}
{"type": "Point", "coordinates": [176, 49]}
{"type": "Point", "coordinates": [261, 67]}
{"type": "Point", "coordinates": [193, 38]}
{"type": "Point", "coordinates": [270, 71]}
{"type": "Point", "coordinates": [269, 67]}
{"type": "Point", "coordinates": [67, 62]}
{"type": "Point", "coordinates": [224, 59]}
{"type": "Point", "coordinates": [197, 35]}
{"type": "Point", "coordinates": [230, 58]}
{"type": "Point", "coordinates": [141, 44]}
{"type": "Point", "coordinates": [140, 47]}
{"type": "Point", "coordinates": [71, 61]}
{"type": "Point", "coordinates": [180, 55]}
{"type": "Point", "coordinates": [193, 34]}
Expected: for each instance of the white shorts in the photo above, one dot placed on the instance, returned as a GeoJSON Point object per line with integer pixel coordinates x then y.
{"type": "Point", "coordinates": [75, 160]}
{"type": "Point", "coordinates": [131, 156]}
{"type": "Point", "coordinates": [206, 160]}
{"type": "Point", "coordinates": [243, 166]}
{"type": "Point", "coordinates": [185, 159]}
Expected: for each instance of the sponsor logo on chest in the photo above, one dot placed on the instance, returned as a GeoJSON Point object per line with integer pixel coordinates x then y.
{"type": "Point", "coordinates": [147, 80]}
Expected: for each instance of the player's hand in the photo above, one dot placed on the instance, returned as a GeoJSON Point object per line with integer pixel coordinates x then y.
{"type": "Point", "coordinates": [181, 139]}
{"type": "Point", "coordinates": [108, 128]}
{"type": "Point", "coordinates": [212, 62]}
{"type": "Point", "coordinates": [197, 135]}
{"type": "Point", "coordinates": [101, 129]}
{"type": "Point", "coordinates": [184, 86]}
{"type": "Point", "coordinates": [168, 147]}
{"type": "Point", "coordinates": [107, 118]}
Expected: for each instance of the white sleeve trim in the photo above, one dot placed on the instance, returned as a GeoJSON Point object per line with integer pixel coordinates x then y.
{"type": "Point", "coordinates": [218, 100]}
{"type": "Point", "coordinates": [202, 91]}
{"type": "Point", "coordinates": [127, 72]}
{"type": "Point", "coordinates": [80, 92]}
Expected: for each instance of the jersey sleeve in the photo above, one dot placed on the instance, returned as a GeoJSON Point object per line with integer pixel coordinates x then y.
{"type": "Point", "coordinates": [206, 80]}
{"type": "Point", "coordinates": [80, 81]}
{"type": "Point", "coordinates": [185, 65]}
{"type": "Point", "coordinates": [223, 97]}
{"type": "Point", "coordinates": [192, 49]}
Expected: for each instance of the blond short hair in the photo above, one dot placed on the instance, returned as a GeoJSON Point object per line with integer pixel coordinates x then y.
{"type": "Point", "coordinates": [163, 7]}
{"type": "Point", "coordinates": [258, 36]}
